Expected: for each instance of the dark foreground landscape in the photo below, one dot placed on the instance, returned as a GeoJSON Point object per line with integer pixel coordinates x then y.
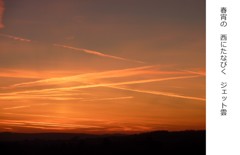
{"type": "Point", "coordinates": [152, 143]}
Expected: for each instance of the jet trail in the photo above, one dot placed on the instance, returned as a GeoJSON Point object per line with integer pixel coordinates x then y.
{"type": "Point", "coordinates": [97, 53]}
{"type": "Point", "coordinates": [15, 38]}
{"type": "Point", "coordinates": [81, 77]}
{"type": "Point", "coordinates": [107, 84]}
{"type": "Point", "coordinates": [109, 99]}
{"type": "Point", "coordinates": [161, 93]}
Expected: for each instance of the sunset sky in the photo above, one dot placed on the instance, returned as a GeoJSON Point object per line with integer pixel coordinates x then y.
{"type": "Point", "coordinates": [102, 66]}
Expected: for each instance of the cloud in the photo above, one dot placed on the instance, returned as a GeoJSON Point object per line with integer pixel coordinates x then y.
{"type": "Point", "coordinates": [118, 83]}
{"type": "Point", "coordinates": [144, 70]}
{"type": "Point", "coordinates": [44, 125]}
{"type": "Point", "coordinates": [33, 94]}
{"type": "Point", "coordinates": [37, 96]}
{"type": "Point", "coordinates": [109, 99]}
{"type": "Point", "coordinates": [108, 84]}
{"type": "Point", "coordinates": [97, 53]}
{"type": "Point", "coordinates": [17, 107]}
{"type": "Point", "coordinates": [93, 80]}
{"type": "Point", "coordinates": [201, 72]}
{"type": "Point", "coordinates": [79, 119]}
{"type": "Point", "coordinates": [162, 93]}
{"type": "Point", "coordinates": [83, 77]}
{"type": "Point", "coordinates": [15, 38]}
{"type": "Point", "coordinates": [1, 13]}
{"type": "Point", "coordinates": [33, 74]}
{"type": "Point", "coordinates": [24, 106]}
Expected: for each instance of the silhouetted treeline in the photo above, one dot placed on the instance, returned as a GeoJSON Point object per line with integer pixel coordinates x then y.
{"type": "Point", "coordinates": [152, 143]}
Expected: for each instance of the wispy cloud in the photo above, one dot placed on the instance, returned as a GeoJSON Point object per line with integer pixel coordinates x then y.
{"type": "Point", "coordinates": [15, 38]}
{"type": "Point", "coordinates": [1, 13]}
{"type": "Point", "coordinates": [18, 73]}
{"type": "Point", "coordinates": [39, 97]}
{"type": "Point", "coordinates": [24, 106]}
{"type": "Point", "coordinates": [100, 54]}
{"type": "Point", "coordinates": [17, 107]}
{"type": "Point", "coordinates": [94, 80]}
{"type": "Point", "coordinates": [44, 125]}
{"type": "Point", "coordinates": [78, 119]}
{"type": "Point", "coordinates": [196, 72]}
{"type": "Point", "coordinates": [109, 99]}
{"type": "Point", "coordinates": [39, 94]}
{"type": "Point", "coordinates": [88, 125]}
{"type": "Point", "coordinates": [89, 77]}
{"type": "Point", "coordinates": [161, 93]}
{"type": "Point", "coordinates": [34, 74]}
{"type": "Point", "coordinates": [107, 84]}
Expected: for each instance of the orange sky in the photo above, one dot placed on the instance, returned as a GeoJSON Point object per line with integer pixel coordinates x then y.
{"type": "Point", "coordinates": [102, 66]}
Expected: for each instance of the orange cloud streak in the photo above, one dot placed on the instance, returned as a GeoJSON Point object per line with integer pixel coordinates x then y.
{"type": "Point", "coordinates": [17, 107]}
{"type": "Point", "coordinates": [99, 75]}
{"type": "Point", "coordinates": [82, 77]}
{"type": "Point", "coordinates": [105, 84]}
{"type": "Point", "coordinates": [24, 106]}
{"type": "Point", "coordinates": [15, 38]}
{"type": "Point", "coordinates": [195, 72]}
{"type": "Point", "coordinates": [97, 53]}
{"type": "Point", "coordinates": [18, 73]}
{"type": "Point", "coordinates": [56, 117]}
{"type": "Point", "coordinates": [28, 94]}
{"type": "Point", "coordinates": [109, 99]}
{"type": "Point", "coordinates": [44, 125]}
{"type": "Point", "coordinates": [162, 93]}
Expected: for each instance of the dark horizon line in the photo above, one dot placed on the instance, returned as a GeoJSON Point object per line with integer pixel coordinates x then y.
{"type": "Point", "coordinates": [99, 133]}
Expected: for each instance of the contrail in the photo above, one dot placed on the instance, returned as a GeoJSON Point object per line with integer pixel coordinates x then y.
{"type": "Point", "coordinates": [103, 85]}
{"type": "Point", "coordinates": [87, 76]}
{"type": "Point", "coordinates": [1, 13]}
{"type": "Point", "coordinates": [35, 74]}
{"type": "Point", "coordinates": [57, 97]}
{"type": "Point", "coordinates": [161, 93]}
{"type": "Point", "coordinates": [95, 76]}
{"type": "Point", "coordinates": [82, 77]}
{"type": "Point", "coordinates": [97, 53]}
{"type": "Point", "coordinates": [121, 83]}
{"type": "Point", "coordinates": [15, 38]}
{"type": "Point", "coordinates": [17, 107]}
{"type": "Point", "coordinates": [90, 84]}
{"type": "Point", "coordinates": [109, 99]}
{"type": "Point", "coordinates": [19, 96]}
{"type": "Point", "coordinates": [24, 106]}
{"type": "Point", "coordinates": [195, 72]}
